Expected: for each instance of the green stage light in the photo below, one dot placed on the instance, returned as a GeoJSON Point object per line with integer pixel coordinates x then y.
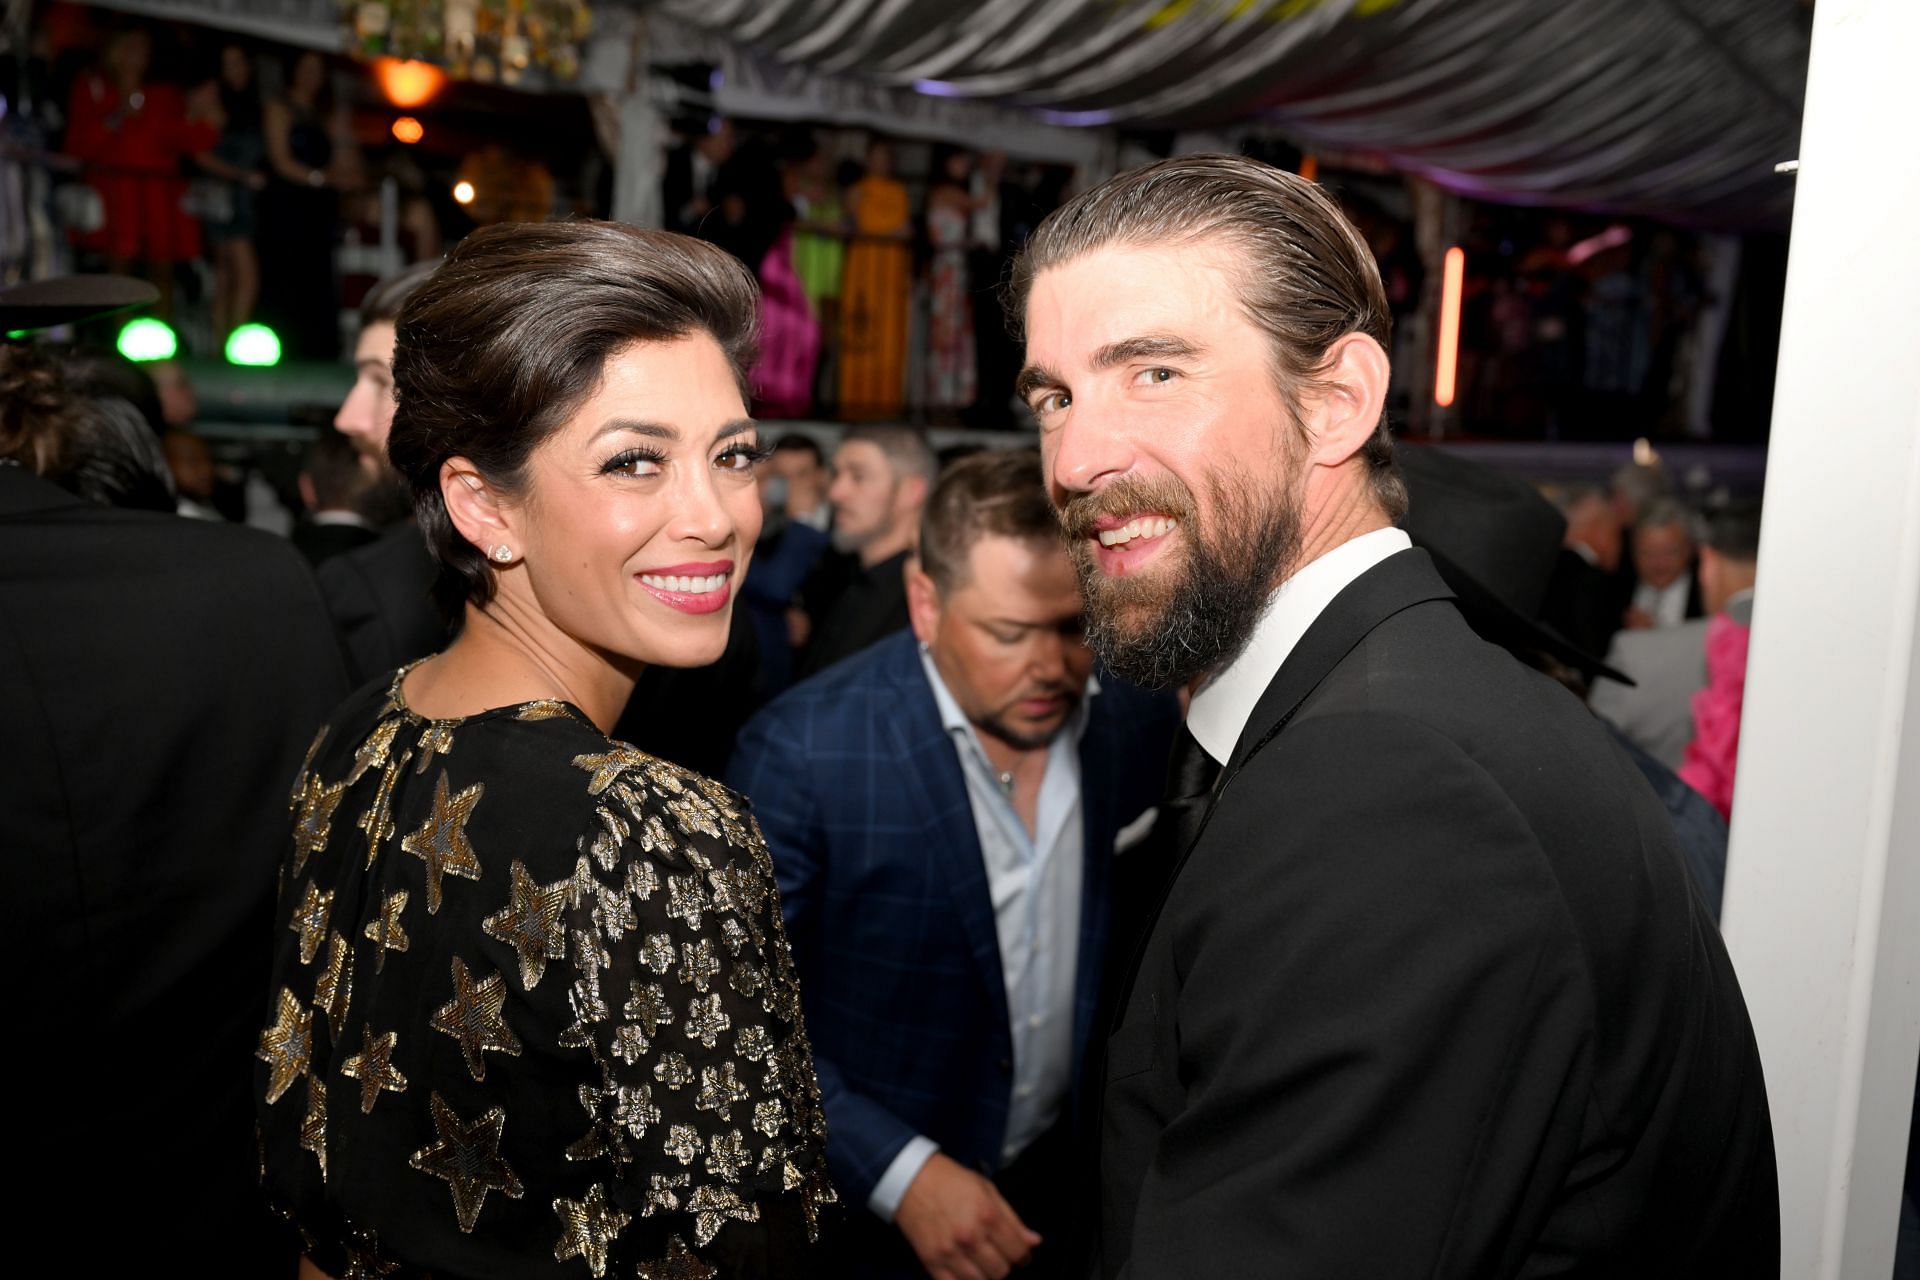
{"type": "Point", "coordinates": [147, 339]}
{"type": "Point", "coordinates": [253, 344]}
{"type": "Point", "coordinates": [14, 335]}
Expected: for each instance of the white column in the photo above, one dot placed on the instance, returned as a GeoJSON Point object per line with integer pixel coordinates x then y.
{"type": "Point", "coordinates": [1823, 881]}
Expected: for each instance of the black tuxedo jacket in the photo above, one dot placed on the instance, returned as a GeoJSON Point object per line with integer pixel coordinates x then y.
{"type": "Point", "coordinates": [381, 599]}
{"type": "Point", "coordinates": [1430, 994]}
{"type": "Point", "coordinates": [160, 679]}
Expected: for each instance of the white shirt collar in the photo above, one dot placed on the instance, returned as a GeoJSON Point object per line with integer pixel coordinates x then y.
{"type": "Point", "coordinates": [1224, 704]}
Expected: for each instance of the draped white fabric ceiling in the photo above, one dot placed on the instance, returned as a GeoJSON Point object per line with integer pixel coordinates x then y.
{"type": "Point", "coordinates": [1676, 108]}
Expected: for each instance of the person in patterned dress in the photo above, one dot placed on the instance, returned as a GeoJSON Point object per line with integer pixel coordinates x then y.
{"type": "Point", "coordinates": [533, 1011]}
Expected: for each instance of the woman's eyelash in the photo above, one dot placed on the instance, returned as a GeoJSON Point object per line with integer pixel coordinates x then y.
{"type": "Point", "coordinates": [621, 461]}
{"type": "Point", "coordinates": [754, 453]}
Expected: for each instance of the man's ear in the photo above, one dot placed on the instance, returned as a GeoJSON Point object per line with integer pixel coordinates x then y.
{"type": "Point", "coordinates": [923, 602]}
{"type": "Point", "coordinates": [1346, 406]}
{"type": "Point", "coordinates": [476, 508]}
{"type": "Point", "coordinates": [308, 498]}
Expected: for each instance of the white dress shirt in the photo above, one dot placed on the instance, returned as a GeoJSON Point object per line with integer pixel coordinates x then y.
{"type": "Point", "coordinates": [1667, 605]}
{"type": "Point", "coordinates": [1226, 701]}
{"type": "Point", "coordinates": [1034, 883]}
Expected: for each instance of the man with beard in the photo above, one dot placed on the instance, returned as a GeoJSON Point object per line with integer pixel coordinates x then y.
{"type": "Point", "coordinates": [381, 595]}
{"type": "Point", "coordinates": [1427, 992]}
{"type": "Point", "coordinates": [943, 811]}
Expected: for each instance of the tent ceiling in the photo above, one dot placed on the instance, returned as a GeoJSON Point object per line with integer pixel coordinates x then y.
{"type": "Point", "coordinates": [1674, 108]}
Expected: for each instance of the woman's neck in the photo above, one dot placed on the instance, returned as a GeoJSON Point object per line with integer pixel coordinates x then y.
{"type": "Point", "coordinates": [501, 659]}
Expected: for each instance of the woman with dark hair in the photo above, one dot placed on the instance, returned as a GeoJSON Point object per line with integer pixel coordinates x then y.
{"type": "Point", "coordinates": [235, 165]}
{"type": "Point", "coordinates": [533, 1010]}
{"type": "Point", "coordinates": [310, 158]}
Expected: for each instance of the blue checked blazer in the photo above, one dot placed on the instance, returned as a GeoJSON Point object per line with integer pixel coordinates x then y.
{"type": "Point", "coordinates": [860, 793]}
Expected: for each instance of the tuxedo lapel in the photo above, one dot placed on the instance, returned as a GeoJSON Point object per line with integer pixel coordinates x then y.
{"type": "Point", "coordinates": [932, 769]}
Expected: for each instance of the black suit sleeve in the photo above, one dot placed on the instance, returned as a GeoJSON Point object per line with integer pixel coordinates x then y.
{"type": "Point", "coordinates": [1380, 1021]}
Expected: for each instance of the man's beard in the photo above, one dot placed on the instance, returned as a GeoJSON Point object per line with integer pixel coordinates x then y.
{"type": "Point", "coordinates": [998, 724]}
{"type": "Point", "coordinates": [386, 499]}
{"type": "Point", "coordinates": [1162, 628]}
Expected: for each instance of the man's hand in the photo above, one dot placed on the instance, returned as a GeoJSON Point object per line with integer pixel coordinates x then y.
{"type": "Point", "coordinates": [958, 1224]}
{"type": "Point", "coordinates": [1638, 619]}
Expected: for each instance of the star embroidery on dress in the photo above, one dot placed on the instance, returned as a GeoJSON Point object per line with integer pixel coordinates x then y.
{"type": "Point", "coordinates": [714, 1207]}
{"type": "Point", "coordinates": [373, 1067]}
{"type": "Point", "coordinates": [315, 823]}
{"type": "Point", "coordinates": [435, 739]}
{"type": "Point", "coordinates": [699, 964]}
{"type": "Point", "coordinates": [768, 1116]}
{"type": "Point", "coordinates": [647, 1005]}
{"type": "Point", "coordinates": [677, 1265]}
{"type": "Point", "coordinates": [372, 754]}
{"type": "Point", "coordinates": [299, 791]}
{"type": "Point", "coordinates": [706, 1020]}
{"type": "Point", "coordinates": [385, 929]}
{"type": "Point", "coordinates": [287, 1045]}
{"type": "Point", "coordinates": [313, 1129]}
{"type": "Point", "coordinates": [720, 1088]}
{"type": "Point", "coordinates": [310, 920]}
{"type": "Point", "coordinates": [532, 923]}
{"type": "Point", "coordinates": [364, 1259]}
{"type": "Point", "coordinates": [663, 1193]}
{"type": "Point", "coordinates": [686, 901]}
{"type": "Point", "coordinates": [334, 989]}
{"type": "Point", "coordinates": [377, 821]}
{"type": "Point", "coordinates": [727, 1155]}
{"type": "Point", "coordinates": [605, 767]}
{"type": "Point", "coordinates": [442, 842]}
{"type": "Point", "coordinates": [683, 1143]}
{"type": "Point", "coordinates": [476, 1018]}
{"type": "Point", "coordinates": [672, 1070]}
{"type": "Point", "coordinates": [467, 1156]}
{"type": "Point", "coordinates": [587, 1227]}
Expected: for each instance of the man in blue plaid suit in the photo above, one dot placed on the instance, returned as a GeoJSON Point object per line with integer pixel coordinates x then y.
{"type": "Point", "coordinates": [943, 810]}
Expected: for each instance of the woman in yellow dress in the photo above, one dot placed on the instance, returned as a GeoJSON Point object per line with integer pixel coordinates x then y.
{"type": "Point", "coordinates": [876, 293]}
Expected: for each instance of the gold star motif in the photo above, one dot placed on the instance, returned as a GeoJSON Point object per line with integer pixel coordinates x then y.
{"type": "Point", "coordinates": [476, 1018]}
{"type": "Point", "coordinates": [605, 767]}
{"type": "Point", "coordinates": [313, 1129]}
{"type": "Point", "coordinates": [373, 1067]}
{"type": "Point", "coordinates": [364, 1259]}
{"type": "Point", "coordinates": [286, 1045]}
{"type": "Point", "coordinates": [310, 920]}
{"type": "Point", "coordinates": [334, 989]}
{"type": "Point", "coordinates": [706, 1020]}
{"type": "Point", "coordinates": [315, 823]}
{"type": "Point", "coordinates": [720, 1088]}
{"type": "Point", "coordinates": [677, 1265]}
{"type": "Point", "coordinates": [377, 821]}
{"type": "Point", "coordinates": [713, 1207]}
{"type": "Point", "coordinates": [532, 923]}
{"type": "Point", "coordinates": [545, 709]}
{"type": "Point", "coordinates": [699, 963]}
{"type": "Point", "coordinates": [467, 1156]}
{"type": "Point", "coordinates": [587, 1227]}
{"type": "Point", "coordinates": [386, 930]}
{"type": "Point", "coordinates": [435, 739]}
{"type": "Point", "coordinates": [373, 753]}
{"type": "Point", "coordinates": [442, 843]}
{"type": "Point", "coordinates": [306, 763]}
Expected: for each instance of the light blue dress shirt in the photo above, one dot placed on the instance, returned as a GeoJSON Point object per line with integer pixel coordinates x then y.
{"type": "Point", "coordinates": [1035, 884]}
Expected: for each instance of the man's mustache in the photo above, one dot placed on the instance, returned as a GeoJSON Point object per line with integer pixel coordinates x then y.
{"type": "Point", "coordinates": [1123, 498]}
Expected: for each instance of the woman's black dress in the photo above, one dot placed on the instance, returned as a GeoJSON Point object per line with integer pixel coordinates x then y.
{"type": "Point", "coordinates": [533, 1011]}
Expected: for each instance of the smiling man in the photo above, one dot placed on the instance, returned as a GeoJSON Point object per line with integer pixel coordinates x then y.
{"type": "Point", "coordinates": [1428, 992]}
{"type": "Point", "coordinates": [942, 810]}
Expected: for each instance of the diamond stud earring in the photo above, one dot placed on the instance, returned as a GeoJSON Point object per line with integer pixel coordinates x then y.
{"type": "Point", "coordinates": [503, 554]}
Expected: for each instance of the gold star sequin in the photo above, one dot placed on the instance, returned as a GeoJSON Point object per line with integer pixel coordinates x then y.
{"type": "Point", "coordinates": [467, 1156]}
{"type": "Point", "coordinates": [699, 964]}
{"type": "Point", "coordinates": [313, 1129]}
{"type": "Point", "coordinates": [306, 763]}
{"type": "Point", "coordinates": [677, 1265]}
{"type": "Point", "coordinates": [587, 1227]}
{"type": "Point", "coordinates": [545, 709]}
{"type": "Point", "coordinates": [605, 767]}
{"type": "Point", "coordinates": [364, 1259]}
{"type": "Point", "coordinates": [334, 989]}
{"type": "Point", "coordinates": [706, 1020]}
{"type": "Point", "coordinates": [686, 900]}
{"type": "Point", "coordinates": [532, 922]}
{"type": "Point", "coordinates": [386, 930]}
{"type": "Point", "coordinates": [647, 1005]}
{"type": "Point", "coordinates": [435, 739]}
{"type": "Point", "coordinates": [683, 1143]}
{"type": "Point", "coordinates": [442, 842]}
{"type": "Point", "coordinates": [373, 753]}
{"type": "Point", "coordinates": [287, 1045]}
{"type": "Point", "coordinates": [373, 1067]}
{"type": "Point", "coordinates": [663, 1195]}
{"type": "Point", "coordinates": [476, 1018]}
{"type": "Point", "coordinates": [310, 921]}
{"type": "Point", "coordinates": [727, 1155]}
{"type": "Point", "coordinates": [713, 1207]}
{"type": "Point", "coordinates": [315, 822]}
{"type": "Point", "coordinates": [720, 1088]}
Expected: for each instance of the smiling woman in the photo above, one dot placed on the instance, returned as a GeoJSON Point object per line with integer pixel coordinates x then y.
{"type": "Point", "coordinates": [534, 1005]}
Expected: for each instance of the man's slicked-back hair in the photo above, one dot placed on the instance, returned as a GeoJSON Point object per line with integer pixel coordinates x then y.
{"type": "Point", "coordinates": [1001, 492]}
{"type": "Point", "coordinates": [1307, 276]}
{"type": "Point", "coordinates": [906, 450]}
{"type": "Point", "coordinates": [502, 344]}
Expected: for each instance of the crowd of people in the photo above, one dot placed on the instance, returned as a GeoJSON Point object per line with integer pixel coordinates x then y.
{"type": "Point", "coordinates": [1161, 848]}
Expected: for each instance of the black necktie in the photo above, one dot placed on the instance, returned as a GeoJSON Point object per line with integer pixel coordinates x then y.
{"type": "Point", "coordinates": [1191, 775]}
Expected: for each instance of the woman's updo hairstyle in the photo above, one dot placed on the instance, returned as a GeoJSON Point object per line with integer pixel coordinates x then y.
{"type": "Point", "coordinates": [513, 332]}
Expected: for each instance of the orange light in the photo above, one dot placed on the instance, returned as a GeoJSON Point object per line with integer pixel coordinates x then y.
{"type": "Point", "coordinates": [1446, 367]}
{"type": "Point", "coordinates": [408, 130]}
{"type": "Point", "coordinates": [1310, 168]}
{"type": "Point", "coordinates": [463, 191]}
{"type": "Point", "coordinates": [408, 84]}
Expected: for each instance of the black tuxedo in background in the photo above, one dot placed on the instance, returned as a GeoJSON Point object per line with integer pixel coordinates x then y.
{"type": "Point", "coordinates": [1430, 994]}
{"type": "Point", "coordinates": [160, 680]}
{"type": "Point", "coordinates": [381, 599]}
{"type": "Point", "coordinates": [321, 542]}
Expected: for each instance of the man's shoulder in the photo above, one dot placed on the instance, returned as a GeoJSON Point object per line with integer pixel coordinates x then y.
{"type": "Point", "coordinates": [875, 672]}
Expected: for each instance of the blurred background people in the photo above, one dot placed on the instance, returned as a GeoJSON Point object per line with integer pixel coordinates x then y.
{"type": "Point", "coordinates": [159, 680]}
{"type": "Point", "coordinates": [881, 477]}
{"type": "Point", "coordinates": [334, 485]}
{"type": "Point", "coordinates": [942, 811]}
{"type": "Point", "coordinates": [311, 158]}
{"type": "Point", "coordinates": [236, 169]}
{"type": "Point", "coordinates": [1666, 592]}
{"type": "Point", "coordinates": [1728, 560]}
{"type": "Point", "coordinates": [950, 362]}
{"type": "Point", "coordinates": [876, 292]}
